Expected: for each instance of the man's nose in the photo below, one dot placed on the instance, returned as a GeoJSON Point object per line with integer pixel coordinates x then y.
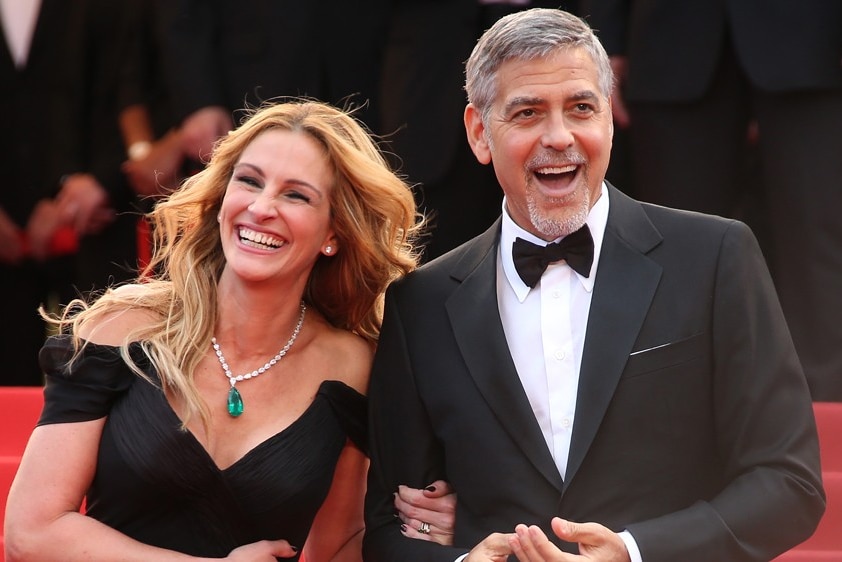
{"type": "Point", "coordinates": [557, 135]}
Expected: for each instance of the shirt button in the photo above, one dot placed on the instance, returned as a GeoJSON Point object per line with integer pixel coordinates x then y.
{"type": "Point", "coordinates": [565, 422]}
{"type": "Point", "coordinates": [559, 355]}
{"type": "Point", "coordinates": [556, 294]}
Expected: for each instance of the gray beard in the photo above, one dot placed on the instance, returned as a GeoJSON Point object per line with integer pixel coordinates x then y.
{"type": "Point", "coordinates": [552, 227]}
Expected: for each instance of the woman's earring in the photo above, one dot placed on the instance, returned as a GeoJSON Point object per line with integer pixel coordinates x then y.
{"type": "Point", "coordinates": [219, 217]}
{"type": "Point", "coordinates": [328, 250]}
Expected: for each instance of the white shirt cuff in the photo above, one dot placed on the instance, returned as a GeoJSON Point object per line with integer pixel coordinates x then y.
{"type": "Point", "coordinates": [631, 546]}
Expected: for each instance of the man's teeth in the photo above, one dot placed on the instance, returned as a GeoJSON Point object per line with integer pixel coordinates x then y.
{"type": "Point", "coordinates": [259, 240]}
{"type": "Point", "coordinates": [557, 170]}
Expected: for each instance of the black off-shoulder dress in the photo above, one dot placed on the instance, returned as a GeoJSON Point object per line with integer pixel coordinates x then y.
{"type": "Point", "coordinates": [156, 483]}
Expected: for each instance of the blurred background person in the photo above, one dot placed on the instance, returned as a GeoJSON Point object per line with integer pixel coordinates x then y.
{"type": "Point", "coordinates": [223, 55]}
{"type": "Point", "coordinates": [421, 104]}
{"type": "Point", "coordinates": [96, 195]}
{"type": "Point", "coordinates": [735, 108]}
{"type": "Point", "coordinates": [36, 253]}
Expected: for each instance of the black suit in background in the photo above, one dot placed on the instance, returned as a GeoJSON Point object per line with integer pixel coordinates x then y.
{"type": "Point", "coordinates": [233, 53]}
{"type": "Point", "coordinates": [698, 73]}
{"type": "Point", "coordinates": [422, 101]}
{"type": "Point", "coordinates": [28, 149]}
{"type": "Point", "coordinates": [91, 139]}
{"type": "Point", "coordinates": [694, 428]}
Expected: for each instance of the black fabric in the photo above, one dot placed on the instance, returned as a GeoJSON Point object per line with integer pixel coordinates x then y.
{"type": "Point", "coordinates": [531, 260]}
{"type": "Point", "coordinates": [157, 484]}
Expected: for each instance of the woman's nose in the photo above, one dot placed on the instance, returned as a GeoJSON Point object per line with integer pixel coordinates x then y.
{"type": "Point", "coordinates": [263, 206]}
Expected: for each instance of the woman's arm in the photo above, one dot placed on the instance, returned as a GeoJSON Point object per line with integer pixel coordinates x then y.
{"type": "Point", "coordinates": [337, 531]}
{"type": "Point", "coordinates": [43, 522]}
{"type": "Point", "coordinates": [42, 512]}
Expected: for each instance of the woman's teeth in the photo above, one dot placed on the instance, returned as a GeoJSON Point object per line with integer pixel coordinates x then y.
{"type": "Point", "coordinates": [259, 240]}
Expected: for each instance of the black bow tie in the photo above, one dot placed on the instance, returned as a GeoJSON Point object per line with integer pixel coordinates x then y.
{"type": "Point", "coordinates": [531, 259]}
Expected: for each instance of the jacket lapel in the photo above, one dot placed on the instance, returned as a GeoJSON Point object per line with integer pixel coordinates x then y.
{"type": "Point", "coordinates": [625, 285]}
{"type": "Point", "coordinates": [475, 319]}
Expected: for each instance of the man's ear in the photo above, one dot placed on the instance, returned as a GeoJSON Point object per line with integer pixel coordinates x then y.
{"type": "Point", "coordinates": [475, 129]}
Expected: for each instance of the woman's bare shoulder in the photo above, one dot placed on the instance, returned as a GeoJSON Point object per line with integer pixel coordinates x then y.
{"type": "Point", "coordinates": [350, 358]}
{"type": "Point", "coordinates": [112, 328]}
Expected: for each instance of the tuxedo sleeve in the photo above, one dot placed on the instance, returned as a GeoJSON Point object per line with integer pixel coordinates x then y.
{"type": "Point", "coordinates": [771, 495]}
{"type": "Point", "coordinates": [393, 426]}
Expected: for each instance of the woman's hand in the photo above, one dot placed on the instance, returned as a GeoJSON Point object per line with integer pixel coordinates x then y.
{"type": "Point", "coordinates": [262, 551]}
{"type": "Point", "coordinates": [428, 514]}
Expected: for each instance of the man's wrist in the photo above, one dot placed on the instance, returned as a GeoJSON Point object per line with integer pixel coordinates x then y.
{"type": "Point", "coordinates": [139, 150]}
{"type": "Point", "coordinates": [631, 546]}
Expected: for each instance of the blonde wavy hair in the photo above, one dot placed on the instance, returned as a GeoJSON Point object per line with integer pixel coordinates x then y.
{"type": "Point", "coordinates": [373, 214]}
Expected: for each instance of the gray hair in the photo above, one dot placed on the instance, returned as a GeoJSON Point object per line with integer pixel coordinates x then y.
{"type": "Point", "coordinates": [527, 35]}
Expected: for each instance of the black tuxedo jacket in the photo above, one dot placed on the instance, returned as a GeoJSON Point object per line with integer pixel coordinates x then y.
{"type": "Point", "coordinates": [694, 427]}
{"type": "Point", "coordinates": [674, 47]}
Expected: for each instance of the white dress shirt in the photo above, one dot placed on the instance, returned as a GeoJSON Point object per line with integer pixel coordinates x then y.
{"type": "Point", "coordinates": [19, 18]}
{"type": "Point", "coordinates": [545, 330]}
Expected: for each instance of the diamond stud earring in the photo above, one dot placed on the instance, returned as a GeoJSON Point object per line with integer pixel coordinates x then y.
{"type": "Point", "coordinates": [328, 250]}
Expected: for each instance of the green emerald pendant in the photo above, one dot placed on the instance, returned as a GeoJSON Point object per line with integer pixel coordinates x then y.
{"type": "Point", "coordinates": [235, 403]}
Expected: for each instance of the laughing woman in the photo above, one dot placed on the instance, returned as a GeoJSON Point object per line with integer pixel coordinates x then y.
{"type": "Point", "coordinates": [215, 409]}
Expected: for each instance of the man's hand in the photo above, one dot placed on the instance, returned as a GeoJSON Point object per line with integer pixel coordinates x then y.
{"type": "Point", "coordinates": [157, 173]}
{"type": "Point", "coordinates": [619, 64]}
{"type": "Point", "coordinates": [11, 245]}
{"type": "Point", "coordinates": [84, 204]}
{"type": "Point", "coordinates": [201, 129]}
{"type": "Point", "coordinates": [494, 548]}
{"type": "Point", "coordinates": [46, 218]}
{"type": "Point", "coordinates": [596, 543]}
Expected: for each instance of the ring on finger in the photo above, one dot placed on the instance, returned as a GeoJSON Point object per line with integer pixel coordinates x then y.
{"type": "Point", "coordinates": [424, 529]}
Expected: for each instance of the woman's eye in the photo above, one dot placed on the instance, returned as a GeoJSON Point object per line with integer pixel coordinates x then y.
{"type": "Point", "coordinates": [297, 195]}
{"type": "Point", "coordinates": [248, 180]}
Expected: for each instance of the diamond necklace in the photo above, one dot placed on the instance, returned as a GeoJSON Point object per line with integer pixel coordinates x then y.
{"type": "Point", "coordinates": [235, 401]}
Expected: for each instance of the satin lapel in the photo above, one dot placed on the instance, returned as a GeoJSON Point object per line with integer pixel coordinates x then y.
{"type": "Point", "coordinates": [6, 62]}
{"type": "Point", "coordinates": [479, 334]}
{"type": "Point", "coordinates": [625, 285]}
{"type": "Point", "coordinates": [44, 33]}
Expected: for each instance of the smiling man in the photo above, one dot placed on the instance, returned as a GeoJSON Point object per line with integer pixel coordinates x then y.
{"type": "Point", "coordinates": [594, 375]}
